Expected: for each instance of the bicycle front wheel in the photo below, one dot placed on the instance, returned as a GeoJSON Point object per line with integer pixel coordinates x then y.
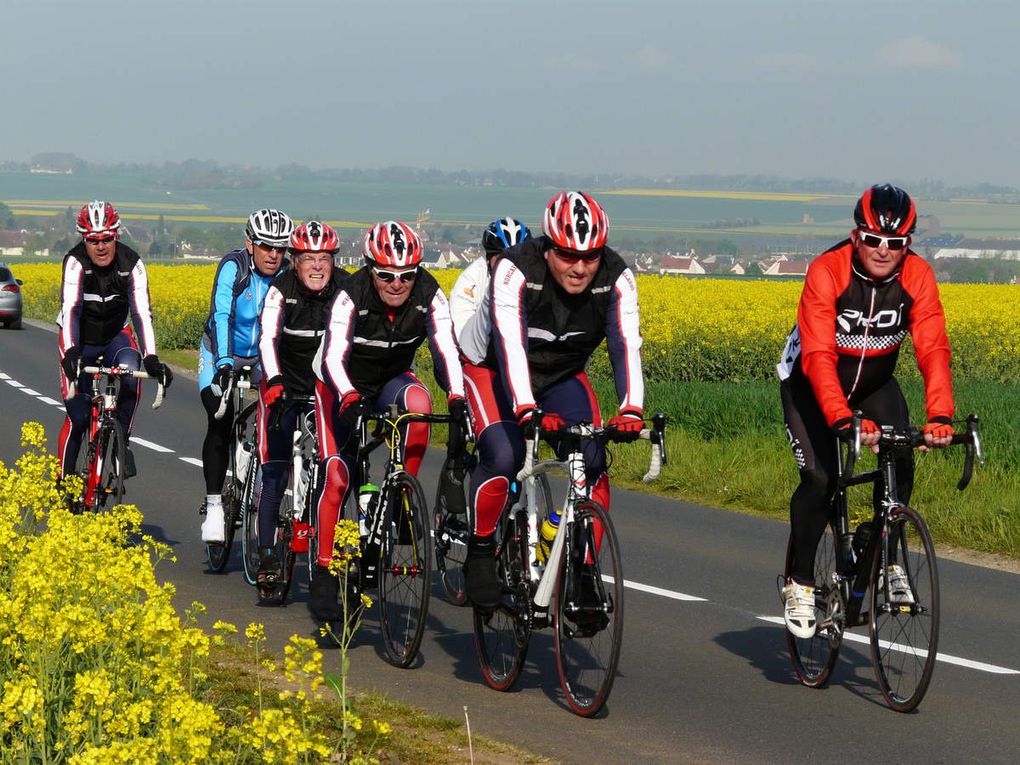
{"type": "Point", "coordinates": [588, 609]}
{"type": "Point", "coordinates": [501, 635]}
{"type": "Point", "coordinates": [904, 621]}
{"type": "Point", "coordinates": [451, 538]}
{"type": "Point", "coordinates": [110, 465]}
{"type": "Point", "coordinates": [217, 554]}
{"type": "Point", "coordinates": [276, 594]}
{"type": "Point", "coordinates": [250, 495]}
{"type": "Point", "coordinates": [813, 658]}
{"type": "Point", "coordinates": [404, 570]}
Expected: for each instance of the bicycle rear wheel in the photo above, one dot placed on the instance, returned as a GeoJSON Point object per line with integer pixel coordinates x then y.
{"type": "Point", "coordinates": [110, 462]}
{"type": "Point", "coordinates": [250, 494]}
{"type": "Point", "coordinates": [501, 633]}
{"type": "Point", "coordinates": [588, 609]}
{"type": "Point", "coordinates": [904, 629]}
{"type": "Point", "coordinates": [813, 658]}
{"type": "Point", "coordinates": [404, 570]}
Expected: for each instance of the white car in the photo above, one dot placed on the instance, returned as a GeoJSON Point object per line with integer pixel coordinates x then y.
{"type": "Point", "coordinates": [10, 298]}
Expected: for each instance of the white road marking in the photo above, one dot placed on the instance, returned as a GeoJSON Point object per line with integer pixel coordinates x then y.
{"type": "Point", "coordinates": [656, 590]}
{"type": "Point", "coordinates": [31, 392]}
{"type": "Point", "coordinates": [50, 401]}
{"type": "Point", "coordinates": [13, 383]}
{"type": "Point", "coordinates": [945, 657]}
{"type": "Point", "coordinates": [4, 376]}
{"type": "Point", "coordinates": [191, 461]}
{"type": "Point", "coordinates": [150, 445]}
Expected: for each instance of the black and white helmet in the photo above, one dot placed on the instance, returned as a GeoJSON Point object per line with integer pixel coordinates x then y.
{"type": "Point", "coordinates": [270, 227]}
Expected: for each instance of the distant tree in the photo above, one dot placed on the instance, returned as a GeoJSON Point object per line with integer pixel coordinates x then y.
{"type": "Point", "coordinates": [6, 217]}
{"type": "Point", "coordinates": [35, 244]}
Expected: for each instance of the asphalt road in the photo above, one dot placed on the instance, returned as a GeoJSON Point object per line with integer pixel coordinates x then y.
{"type": "Point", "coordinates": [704, 674]}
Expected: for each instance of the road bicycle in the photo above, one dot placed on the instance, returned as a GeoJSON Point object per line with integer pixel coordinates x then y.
{"type": "Point", "coordinates": [294, 527]}
{"type": "Point", "coordinates": [853, 582]}
{"type": "Point", "coordinates": [243, 479]}
{"type": "Point", "coordinates": [102, 462]}
{"type": "Point", "coordinates": [578, 589]}
{"type": "Point", "coordinates": [395, 546]}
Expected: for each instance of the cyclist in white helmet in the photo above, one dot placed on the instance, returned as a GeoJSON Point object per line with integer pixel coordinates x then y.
{"type": "Point", "coordinates": [231, 339]}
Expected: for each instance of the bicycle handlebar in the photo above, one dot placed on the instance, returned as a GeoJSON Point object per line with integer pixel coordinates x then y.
{"type": "Point", "coordinates": [120, 372]}
{"type": "Point", "coordinates": [241, 379]}
{"type": "Point", "coordinates": [911, 438]}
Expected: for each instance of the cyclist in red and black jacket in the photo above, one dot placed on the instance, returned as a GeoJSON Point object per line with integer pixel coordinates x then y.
{"type": "Point", "coordinates": [554, 299]}
{"type": "Point", "coordinates": [293, 321]}
{"type": "Point", "coordinates": [377, 321]}
{"type": "Point", "coordinates": [860, 300]}
{"type": "Point", "coordinates": [103, 283]}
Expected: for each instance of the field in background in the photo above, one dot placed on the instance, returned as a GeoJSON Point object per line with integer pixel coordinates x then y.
{"type": "Point", "coordinates": [636, 214]}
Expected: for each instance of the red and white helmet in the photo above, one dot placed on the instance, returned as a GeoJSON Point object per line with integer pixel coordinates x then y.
{"type": "Point", "coordinates": [393, 244]}
{"type": "Point", "coordinates": [574, 221]}
{"type": "Point", "coordinates": [98, 218]}
{"type": "Point", "coordinates": [314, 236]}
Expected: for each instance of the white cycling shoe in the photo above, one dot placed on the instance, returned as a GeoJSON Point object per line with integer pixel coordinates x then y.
{"type": "Point", "coordinates": [799, 613]}
{"type": "Point", "coordinates": [899, 586]}
{"type": "Point", "coordinates": [212, 526]}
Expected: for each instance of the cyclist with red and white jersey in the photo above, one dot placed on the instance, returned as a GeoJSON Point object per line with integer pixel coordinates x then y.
{"type": "Point", "coordinates": [293, 322]}
{"type": "Point", "coordinates": [378, 319]}
{"type": "Point", "coordinates": [554, 299]}
{"type": "Point", "coordinates": [103, 283]}
{"type": "Point", "coordinates": [861, 298]}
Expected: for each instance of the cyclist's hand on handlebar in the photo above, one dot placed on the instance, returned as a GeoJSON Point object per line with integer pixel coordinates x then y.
{"type": "Point", "coordinates": [70, 363]}
{"type": "Point", "coordinates": [221, 378]}
{"type": "Point", "coordinates": [352, 409]}
{"type": "Point", "coordinates": [938, 432]}
{"type": "Point", "coordinates": [627, 424]}
{"type": "Point", "coordinates": [274, 392]}
{"type": "Point", "coordinates": [525, 420]}
{"type": "Point", "coordinates": [158, 370]}
{"type": "Point", "coordinates": [457, 406]}
{"type": "Point", "coordinates": [870, 432]}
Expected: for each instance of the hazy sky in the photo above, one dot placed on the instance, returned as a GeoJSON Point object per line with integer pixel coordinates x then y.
{"type": "Point", "coordinates": [854, 90]}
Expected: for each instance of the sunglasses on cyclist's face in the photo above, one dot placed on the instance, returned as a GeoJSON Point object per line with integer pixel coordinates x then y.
{"type": "Point", "coordinates": [389, 276]}
{"type": "Point", "coordinates": [892, 242]}
{"type": "Point", "coordinates": [269, 247]}
{"type": "Point", "coordinates": [572, 257]}
{"type": "Point", "coordinates": [99, 239]}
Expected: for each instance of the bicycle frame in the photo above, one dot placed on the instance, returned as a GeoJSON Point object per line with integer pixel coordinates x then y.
{"type": "Point", "coordinates": [240, 458]}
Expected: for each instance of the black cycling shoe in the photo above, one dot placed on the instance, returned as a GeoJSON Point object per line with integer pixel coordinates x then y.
{"type": "Point", "coordinates": [591, 617]}
{"type": "Point", "coordinates": [268, 575]}
{"type": "Point", "coordinates": [482, 583]}
{"type": "Point", "coordinates": [324, 596]}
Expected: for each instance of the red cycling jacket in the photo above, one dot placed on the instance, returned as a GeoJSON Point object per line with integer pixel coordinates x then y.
{"type": "Point", "coordinates": [850, 327]}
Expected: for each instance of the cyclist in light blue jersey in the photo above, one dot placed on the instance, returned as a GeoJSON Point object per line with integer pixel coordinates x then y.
{"type": "Point", "coordinates": [231, 339]}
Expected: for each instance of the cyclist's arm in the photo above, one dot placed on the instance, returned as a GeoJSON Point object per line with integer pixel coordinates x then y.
{"type": "Point", "coordinates": [931, 345]}
{"type": "Point", "coordinates": [337, 344]}
{"type": "Point", "coordinates": [623, 339]}
{"type": "Point", "coordinates": [141, 308]}
{"type": "Point", "coordinates": [816, 321]}
{"type": "Point", "coordinates": [71, 302]}
{"type": "Point", "coordinates": [509, 332]}
{"type": "Point", "coordinates": [466, 295]}
{"type": "Point", "coordinates": [271, 319]}
{"type": "Point", "coordinates": [223, 313]}
{"type": "Point", "coordinates": [445, 359]}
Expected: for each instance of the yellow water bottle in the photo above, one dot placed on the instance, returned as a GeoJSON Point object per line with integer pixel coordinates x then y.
{"type": "Point", "coordinates": [546, 535]}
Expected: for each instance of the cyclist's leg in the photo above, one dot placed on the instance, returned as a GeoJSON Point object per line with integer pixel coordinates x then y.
{"type": "Point", "coordinates": [331, 492]}
{"type": "Point", "coordinates": [410, 395]}
{"type": "Point", "coordinates": [274, 457]}
{"type": "Point", "coordinates": [76, 423]}
{"type": "Point", "coordinates": [814, 448]}
{"type": "Point", "coordinates": [499, 448]}
{"type": "Point", "coordinates": [123, 351]}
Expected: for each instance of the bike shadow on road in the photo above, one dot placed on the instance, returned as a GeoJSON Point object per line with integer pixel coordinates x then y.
{"type": "Point", "coordinates": [764, 648]}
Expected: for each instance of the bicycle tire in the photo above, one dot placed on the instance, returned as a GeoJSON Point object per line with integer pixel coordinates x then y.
{"type": "Point", "coordinates": [451, 534]}
{"type": "Point", "coordinates": [277, 595]}
{"type": "Point", "coordinates": [813, 658]}
{"type": "Point", "coordinates": [501, 637]}
{"type": "Point", "coordinates": [251, 493]}
{"type": "Point", "coordinates": [588, 635]}
{"type": "Point", "coordinates": [111, 456]}
{"type": "Point", "coordinates": [218, 553]}
{"type": "Point", "coordinates": [904, 637]}
{"type": "Point", "coordinates": [404, 567]}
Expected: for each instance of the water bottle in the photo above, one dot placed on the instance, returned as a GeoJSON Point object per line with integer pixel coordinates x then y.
{"type": "Point", "coordinates": [368, 500]}
{"type": "Point", "coordinates": [862, 535]}
{"type": "Point", "coordinates": [546, 535]}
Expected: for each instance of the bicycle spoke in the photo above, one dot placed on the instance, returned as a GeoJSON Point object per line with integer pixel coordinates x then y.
{"type": "Point", "coordinates": [813, 658]}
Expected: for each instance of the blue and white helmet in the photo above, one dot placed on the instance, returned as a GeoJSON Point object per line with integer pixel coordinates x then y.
{"type": "Point", "coordinates": [271, 227]}
{"type": "Point", "coordinates": [502, 234]}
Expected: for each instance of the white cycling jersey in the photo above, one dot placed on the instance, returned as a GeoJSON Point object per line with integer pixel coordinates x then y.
{"type": "Point", "coordinates": [469, 308]}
